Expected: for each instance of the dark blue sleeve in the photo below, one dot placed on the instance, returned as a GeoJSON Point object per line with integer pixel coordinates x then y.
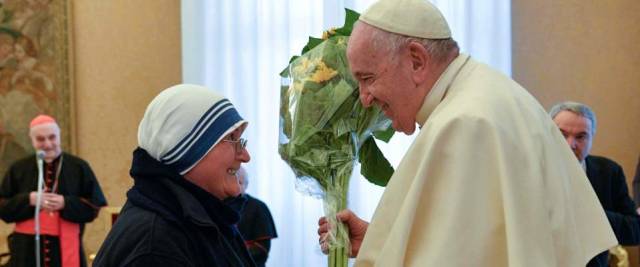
{"type": "Point", "coordinates": [623, 217]}
{"type": "Point", "coordinates": [636, 185]}
{"type": "Point", "coordinates": [83, 196]}
{"type": "Point", "coordinates": [14, 196]}
{"type": "Point", "coordinates": [157, 260]}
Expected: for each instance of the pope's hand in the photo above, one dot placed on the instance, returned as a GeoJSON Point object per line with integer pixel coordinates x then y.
{"type": "Point", "coordinates": [357, 229]}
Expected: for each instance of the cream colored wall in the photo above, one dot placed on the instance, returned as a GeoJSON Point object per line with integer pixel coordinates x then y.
{"type": "Point", "coordinates": [587, 51]}
{"type": "Point", "coordinates": [125, 53]}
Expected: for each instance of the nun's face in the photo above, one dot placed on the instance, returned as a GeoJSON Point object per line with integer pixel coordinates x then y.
{"type": "Point", "coordinates": [216, 172]}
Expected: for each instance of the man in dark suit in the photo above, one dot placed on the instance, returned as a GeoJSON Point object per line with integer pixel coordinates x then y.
{"type": "Point", "coordinates": [578, 125]}
{"type": "Point", "coordinates": [70, 198]}
{"type": "Point", "coordinates": [636, 187]}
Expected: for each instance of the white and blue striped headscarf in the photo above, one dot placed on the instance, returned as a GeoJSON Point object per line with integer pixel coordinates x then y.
{"type": "Point", "coordinates": [183, 123]}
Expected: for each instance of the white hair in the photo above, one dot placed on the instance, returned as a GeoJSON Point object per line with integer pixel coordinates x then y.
{"type": "Point", "coordinates": [575, 108]}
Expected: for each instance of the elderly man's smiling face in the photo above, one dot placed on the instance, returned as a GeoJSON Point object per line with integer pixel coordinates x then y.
{"type": "Point", "coordinates": [46, 137]}
{"type": "Point", "coordinates": [384, 79]}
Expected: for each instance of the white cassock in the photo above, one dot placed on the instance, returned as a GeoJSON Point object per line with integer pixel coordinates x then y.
{"type": "Point", "coordinates": [489, 181]}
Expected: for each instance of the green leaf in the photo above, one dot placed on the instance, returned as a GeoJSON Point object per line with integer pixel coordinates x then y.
{"type": "Point", "coordinates": [313, 42]}
{"type": "Point", "coordinates": [374, 166]}
{"type": "Point", "coordinates": [385, 135]}
{"type": "Point", "coordinates": [350, 19]}
{"type": "Point", "coordinates": [285, 72]}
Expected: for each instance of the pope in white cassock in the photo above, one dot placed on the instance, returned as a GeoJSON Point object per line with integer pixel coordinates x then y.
{"type": "Point", "coordinates": [489, 180]}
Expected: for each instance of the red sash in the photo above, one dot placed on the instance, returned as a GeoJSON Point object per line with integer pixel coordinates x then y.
{"type": "Point", "coordinates": [68, 233]}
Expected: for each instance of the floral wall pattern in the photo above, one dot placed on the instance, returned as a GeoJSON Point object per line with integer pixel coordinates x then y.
{"type": "Point", "coordinates": [35, 75]}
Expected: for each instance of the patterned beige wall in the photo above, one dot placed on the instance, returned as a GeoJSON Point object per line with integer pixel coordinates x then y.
{"type": "Point", "coordinates": [125, 52]}
{"type": "Point", "coordinates": [585, 51]}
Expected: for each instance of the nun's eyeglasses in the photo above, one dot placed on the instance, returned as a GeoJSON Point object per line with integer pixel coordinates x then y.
{"type": "Point", "coordinates": [239, 144]}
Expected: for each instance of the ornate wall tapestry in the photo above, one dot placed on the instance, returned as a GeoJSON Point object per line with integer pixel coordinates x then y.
{"type": "Point", "coordinates": [35, 72]}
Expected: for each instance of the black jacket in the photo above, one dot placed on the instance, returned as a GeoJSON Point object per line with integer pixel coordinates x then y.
{"type": "Point", "coordinates": [607, 180]}
{"type": "Point", "coordinates": [168, 221]}
{"type": "Point", "coordinates": [636, 185]}
{"type": "Point", "coordinates": [82, 197]}
{"type": "Point", "coordinates": [257, 228]}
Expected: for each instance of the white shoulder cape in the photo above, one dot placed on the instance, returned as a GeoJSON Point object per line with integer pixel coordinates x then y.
{"type": "Point", "coordinates": [489, 181]}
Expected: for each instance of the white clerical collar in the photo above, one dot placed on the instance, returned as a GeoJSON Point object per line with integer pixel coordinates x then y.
{"type": "Point", "coordinates": [584, 165]}
{"type": "Point", "coordinates": [440, 88]}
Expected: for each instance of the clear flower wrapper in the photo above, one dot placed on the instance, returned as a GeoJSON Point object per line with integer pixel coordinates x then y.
{"type": "Point", "coordinates": [325, 130]}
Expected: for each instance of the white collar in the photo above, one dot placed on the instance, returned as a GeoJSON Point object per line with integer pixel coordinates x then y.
{"type": "Point", "coordinates": [440, 88]}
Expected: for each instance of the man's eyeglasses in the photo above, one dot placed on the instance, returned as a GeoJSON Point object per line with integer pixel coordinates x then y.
{"type": "Point", "coordinates": [240, 144]}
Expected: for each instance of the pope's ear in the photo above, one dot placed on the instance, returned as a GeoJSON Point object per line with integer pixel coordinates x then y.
{"type": "Point", "coordinates": [419, 61]}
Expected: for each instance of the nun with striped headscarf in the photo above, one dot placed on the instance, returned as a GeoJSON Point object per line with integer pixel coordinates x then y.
{"type": "Point", "coordinates": [185, 201]}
